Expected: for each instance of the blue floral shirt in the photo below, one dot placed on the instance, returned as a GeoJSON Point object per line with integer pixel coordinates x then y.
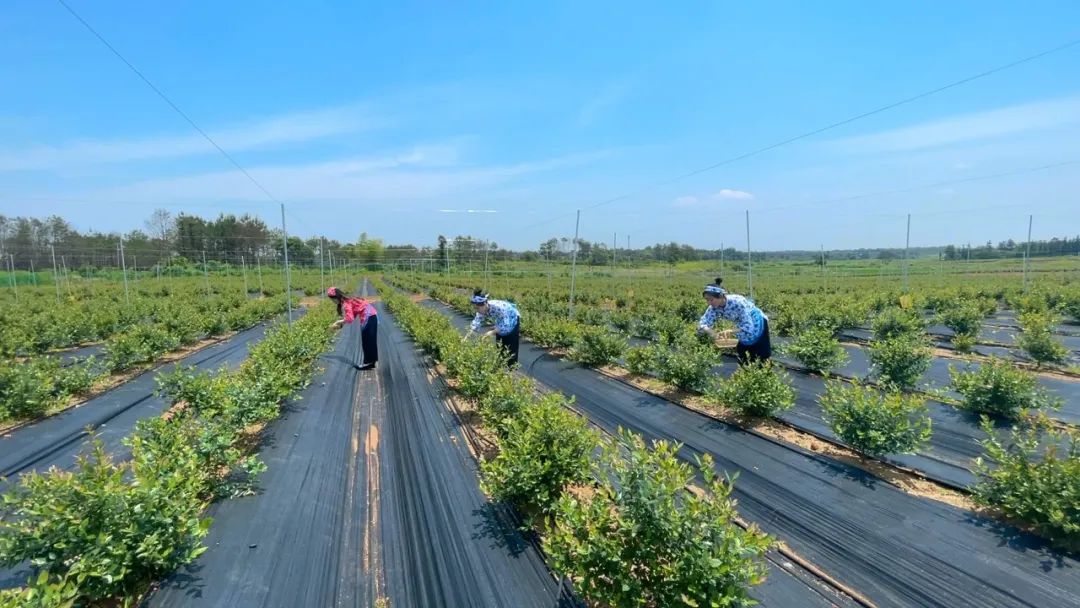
{"type": "Point", "coordinates": [503, 314]}
{"type": "Point", "coordinates": [748, 318]}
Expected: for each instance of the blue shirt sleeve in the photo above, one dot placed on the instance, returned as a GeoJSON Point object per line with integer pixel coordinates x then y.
{"type": "Point", "coordinates": [708, 319]}
{"type": "Point", "coordinates": [477, 321]}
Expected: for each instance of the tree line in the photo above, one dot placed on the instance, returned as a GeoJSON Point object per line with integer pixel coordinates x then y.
{"type": "Point", "coordinates": [168, 239]}
{"type": "Point", "coordinates": [1011, 249]}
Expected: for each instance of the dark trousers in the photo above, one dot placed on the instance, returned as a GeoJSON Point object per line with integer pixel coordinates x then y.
{"type": "Point", "coordinates": [369, 342]}
{"type": "Point", "coordinates": [758, 351]}
{"type": "Point", "coordinates": [511, 342]}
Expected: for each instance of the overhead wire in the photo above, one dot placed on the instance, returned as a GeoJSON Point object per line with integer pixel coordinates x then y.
{"type": "Point", "coordinates": [820, 130]}
{"type": "Point", "coordinates": [662, 183]}
{"type": "Point", "coordinates": [168, 101]}
{"type": "Point", "coordinates": [915, 188]}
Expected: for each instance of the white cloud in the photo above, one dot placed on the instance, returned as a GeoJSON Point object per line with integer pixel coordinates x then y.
{"type": "Point", "coordinates": [283, 129]}
{"type": "Point", "coordinates": [419, 173]}
{"type": "Point", "coordinates": [733, 195]}
{"type": "Point", "coordinates": [610, 95]}
{"type": "Point", "coordinates": [977, 126]}
{"type": "Point", "coordinates": [727, 194]}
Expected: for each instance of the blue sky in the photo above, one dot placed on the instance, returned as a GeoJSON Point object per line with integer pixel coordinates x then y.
{"type": "Point", "coordinates": [376, 118]}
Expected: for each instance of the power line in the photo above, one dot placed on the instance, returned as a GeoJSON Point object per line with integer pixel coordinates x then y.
{"type": "Point", "coordinates": [820, 130]}
{"type": "Point", "coordinates": [925, 186]}
{"type": "Point", "coordinates": [165, 97]}
{"type": "Point", "coordinates": [144, 203]}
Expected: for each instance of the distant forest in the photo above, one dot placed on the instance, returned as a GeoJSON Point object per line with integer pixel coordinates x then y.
{"type": "Point", "coordinates": [184, 238]}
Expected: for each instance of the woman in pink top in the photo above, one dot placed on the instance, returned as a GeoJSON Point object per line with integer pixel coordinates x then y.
{"type": "Point", "coordinates": [359, 309]}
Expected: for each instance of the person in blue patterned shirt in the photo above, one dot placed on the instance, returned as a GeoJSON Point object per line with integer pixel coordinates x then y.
{"type": "Point", "coordinates": [751, 325]}
{"type": "Point", "coordinates": [504, 315]}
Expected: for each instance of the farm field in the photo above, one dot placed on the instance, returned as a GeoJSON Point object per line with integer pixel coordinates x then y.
{"type": "Point", "coordinates": [546, 305]}
{"type": "Point", "coordinates": [380, 483]}
{"type": "Point", "coordinates": [342, 502]}
{"type": "Point", "coordinates": [947, 459]}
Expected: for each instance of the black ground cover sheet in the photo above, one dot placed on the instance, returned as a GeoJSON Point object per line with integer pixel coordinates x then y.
{"type": "Point", "coordinates": [58, 440]}
{"type": "Point", "coordinates": [896, 549]}
{"type": "Point", "coordinates": [371, 494]}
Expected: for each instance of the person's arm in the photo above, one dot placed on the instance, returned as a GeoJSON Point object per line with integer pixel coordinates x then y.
{"type": "Point", "coordinates": [707, 321]}
{"type": "Point", "coordinates": [475, 325]}
{"type": "Point", "coordinates": [349, 315]}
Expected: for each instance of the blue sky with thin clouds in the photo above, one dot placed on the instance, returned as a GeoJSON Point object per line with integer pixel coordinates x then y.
{"type": "Point", "coordinates": [397, 119]}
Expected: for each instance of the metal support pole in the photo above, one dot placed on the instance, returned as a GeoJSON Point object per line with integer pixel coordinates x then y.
{"type": "Point", "coordinates": [614, 249]}
{"type": "Point", "coordinates": [33, 273]}
{"type": "Point", "coordinates": [205, 273]}
{"type": "Point", "coordinates": [487, 275]}
{"type": "Point", "coordinates": [11, 276]}
{"type": "Point", "coordinates": [629, 271]}
{"type": "Point", "coordinates": [3, 249]}
{"type": "Point", "coordinates": [721, 259]}
{"type": "Point", "coordinates": [1027, 253]}
{"type": "Point", "coordinates": [322, 272]}
{"type": "Point", "coordinates": [288, 276]}
{"type": "Point", "coordinates": [907, 246]}
{"type": "Point", "coordinates": [573, 263]}
{"type": "Point", "coordinates": [135, 269]}
{"type": "Point", "coordinates": [243, 266]}
{"type": "Point", "coordinates": [749, 261]}
{"type": "Point", "coordinates": [67, 276]}
{"type": "Point", "coordinates": [123, 266]}
{"type": "Point", "coordinates": [55, 274]}
{"type": "Point", "coordinates": [823, 267]}
{"type": "Point", "coordinates": [258, 266]}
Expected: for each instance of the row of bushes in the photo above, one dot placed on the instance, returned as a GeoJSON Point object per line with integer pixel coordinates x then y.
{"type": "Point", "coordinates": [1030, 475]}
{"type": "Point", "coordinates": [182, 326]}
{"type": "Point", "coordinates": [107, 529]}
{"type": "Point", "coordinates": [619, 518]}
{"type": "Point", "coordinates": [899, 357]}
{"type": "Point", "coordinates": [35, 325]}
{"type": "Point", "coordinates": [890, 314]}
{"type": "Point", "coordinates": [36, 386]}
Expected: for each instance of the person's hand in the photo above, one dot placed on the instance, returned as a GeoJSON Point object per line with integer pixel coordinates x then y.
{"type": "Point", "coordinates": [489, 334]}
{"type": "Point", "coordinates": [338, 324]}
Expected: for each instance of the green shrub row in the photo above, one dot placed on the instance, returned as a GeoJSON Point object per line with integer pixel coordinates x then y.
{"type": "Point", "coordinates": [1030, 476]}
{"type": "Point", "coordinates": [109, 527]}
{"type": "Point", "coordinates": [621, 522]}
{"type": "Point", "coordinates": [33, 387]}
{"type": "Point", "coordinates": [1033, 477]}
{"type": "Point", "coordinates": [37, 323]}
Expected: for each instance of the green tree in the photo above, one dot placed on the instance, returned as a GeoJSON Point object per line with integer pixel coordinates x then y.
{"type": "Point", "coordinates": [368, 250]}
